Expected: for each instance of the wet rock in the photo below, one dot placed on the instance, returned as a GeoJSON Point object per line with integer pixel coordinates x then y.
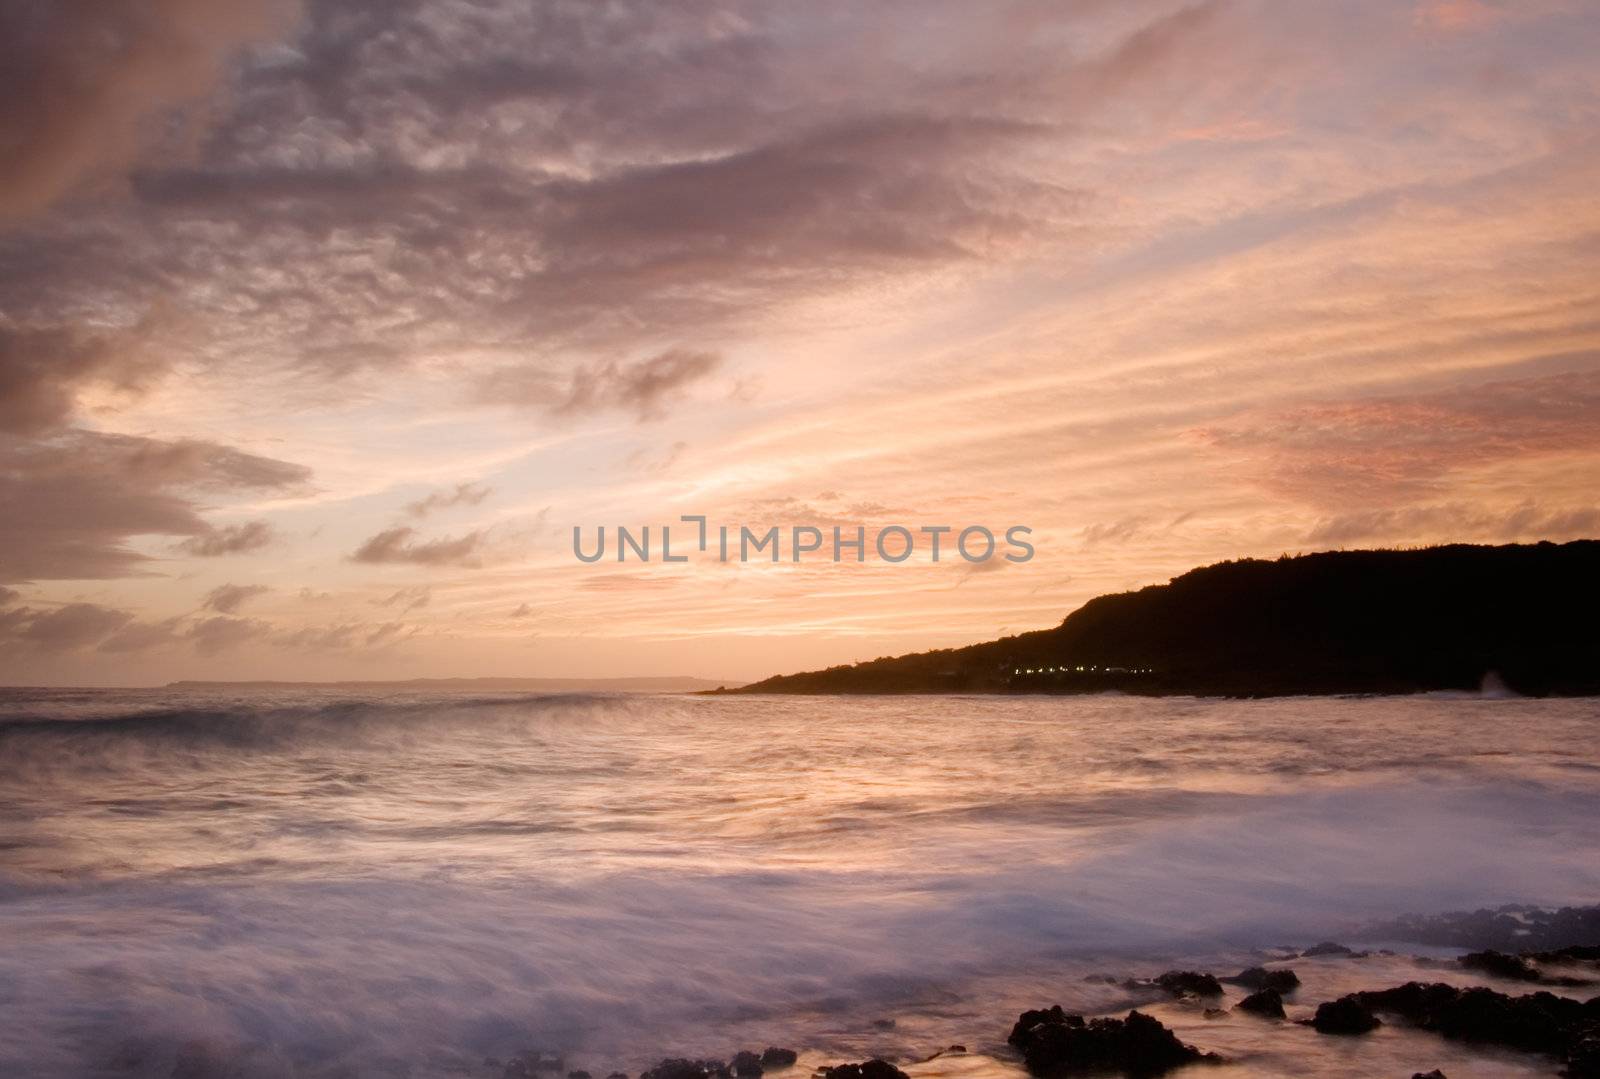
{"type": "Point", "coordinates": [772, 1058]}
{"type": "Point", "coordinates": [871, 1069]}
{"type": "Point", "coordinates": [1268, 1003]}
{"type": "Point", "coordinates": [1258, 978]}
{"type": "Point", "coordinates": [1189, 983]}
{"type": "Point", "coordinates": [1583, 1055]}
{"type": "Point", "coordinates": [1537, 1023]}
{"type": "Point", "coordinates": [1347, 1015]}
{"type": "Point", "coordinates": [1500, 965]}
{"type": "Point", "coordinates": [1326, 947]}
{"type": "Point", "coordinates": [678, 1068]}
{"type": "Point", "coordinates": [1055, 1043]}
{"type": "Point", "coordinates": [745, 1063]}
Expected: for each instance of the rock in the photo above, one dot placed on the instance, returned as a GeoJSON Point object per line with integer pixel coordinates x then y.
{"type": "Point", "coordinates": [580, 1074]}
{"type": "Point", "coordinates": [1258, 978]}
{"type": "Point", "coordinates": [1583, 1055]}
{"type": "Point", "coordinates": [773, 1057]}
{"type": "Point", "coordinates": [1434, 1074]}
{"type": "Point", "coordinates": [1215, 1013]}
{"type": "Point", "coordinates": [871, 1069]}
{"type": "Point", "coordinates": [1500, 965]}
{"type": "Point", "coordinates": [1537, 1023]}
{"type": "Point", "coordinates": [1191, 983]}
{"type": "Point", "coordinates": [1347, 1015]}
{"type": "Point", "coordinates": [617, 1075]}
{"type": "Point", "coordinates": [745, 1063]}
{"type": "Point", "coordinates": [1267, 1003]}
{"type": "Point", "coordinates": [1327, 947]}
{"type": "Point", "coordinates": [677, 1068]}
{"type": "Point", "coordinates": [1054, 1043]}
{"type": "Point", "coordinates": [883, 1024]}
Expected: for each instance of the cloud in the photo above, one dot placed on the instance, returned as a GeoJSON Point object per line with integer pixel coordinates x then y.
{"type": "Point", "coordinates": [407, 599]}
{"type": "Point", "coordinates": [228, 598]}
{"type": "Point", "coordinates": [76, 625]}
{"type": "Point", "coordinates": [1342, 454]}
{"type": "Point", "coordinates": [463, 494]}
{"type": "Point", "coordinates": [221, 633]}
{"type": "Point", "coordinates": [43, 369]}
{"type": "Point", "coordinates": [1455, 521]}
{"type": "Point", "coordinates": [83, 79]}
{"type": "Point", "coordinates": [144, 636]}
{"type": "Point", "coordinates": [69, 503]}
{"type": "Point", "coordinates": [230, 540]}
{"type": "Point", "coordinates": [644, 388]}
{"type": "Point", "coordinates": [397, 545]}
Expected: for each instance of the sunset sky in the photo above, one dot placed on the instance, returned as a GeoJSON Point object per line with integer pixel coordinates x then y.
{"type": "Point", "coordinates": [322, 325]}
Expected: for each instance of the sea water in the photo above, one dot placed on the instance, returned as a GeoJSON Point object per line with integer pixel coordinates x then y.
{"type": "Point", "coordinates": [320, 883]}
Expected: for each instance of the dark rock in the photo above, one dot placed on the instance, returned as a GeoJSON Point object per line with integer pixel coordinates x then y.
{"type": "Point", "coordinates": [1434, 1074]}
{"type": "Point", "coordinates": [1258, 978]}
{"type": "Point", "coordinates": [1583, 1055]}
{"type": "Point", "coordinates": [677, 1068]}
{"type": "Point", "coordinates": [580, 1074]}
{"type": "Point", "coordinates": [617, 1075]}
{"type": "Point", "coordinates": [773, 1057]}
{"type": "Point", "coordinates": [745, 1063]}
{"type": "Point", "coordinates": [1536, 1023]}
{"type": "Point", "coordinates": [883, 1024]}
{"type": "Point", "coordinates": [1268, 1003]}
{"type": "Point", "coordinates": [1054, 1043]}
{"type": "Point", "coordinates": [872, 1069]}
{"type": "Point", "coordinates": [1347, 1015]}
{"type": "Point", "coordinates": [1191, 983]}
{"type": "Point", "coordinates": [1215, 1013]}
{"type": "Point", "coordinates": [1327, 947]}
{"type": "Point", "coordinates": [955, 1049]}
{"type": "Point", "coordinates": [1512, 928]}
{"type": "Point", "coordinates": [1500, 965]}
{"type": "Point", "coordinates": [1575, 954]}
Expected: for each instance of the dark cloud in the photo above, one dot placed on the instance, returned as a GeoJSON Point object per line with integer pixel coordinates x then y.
{"type": "Point", "coordinates": [76, 625]}
{"type": "Point", "coordinates": [228, 598]}
{"type": "Point", "coordinates": [70, 503]}
{"type": "Point", "coordinates": [399, 545]}
{"type": "Point", "coordinates": [570, 176]}
{"type": "Point", "coordinates": [80, 78]}
{"type": "Point", "coordinates": [463, 494]}
{"type": "Point", "coordinates": [229, 540]}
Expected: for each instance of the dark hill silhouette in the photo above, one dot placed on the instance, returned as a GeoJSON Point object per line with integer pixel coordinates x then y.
{"type": "Point", "coordinates": [1440, 618]}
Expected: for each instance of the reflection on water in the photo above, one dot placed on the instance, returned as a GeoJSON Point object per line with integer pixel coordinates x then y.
{"type": "Point", "coordinates": [313, 884]}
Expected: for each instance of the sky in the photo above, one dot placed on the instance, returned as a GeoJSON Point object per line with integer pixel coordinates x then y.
{"type": "Point", "coordinates": [322, 325]}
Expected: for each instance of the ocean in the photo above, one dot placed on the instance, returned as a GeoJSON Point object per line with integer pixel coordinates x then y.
{"type": "Point", "coordinates": [322, 884]}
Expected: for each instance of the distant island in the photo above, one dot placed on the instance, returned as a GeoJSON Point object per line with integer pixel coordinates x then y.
{"type": "Point", "coordinates": [1525, 618]}
{"type": "Point", "coordinates": [668, 684]}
